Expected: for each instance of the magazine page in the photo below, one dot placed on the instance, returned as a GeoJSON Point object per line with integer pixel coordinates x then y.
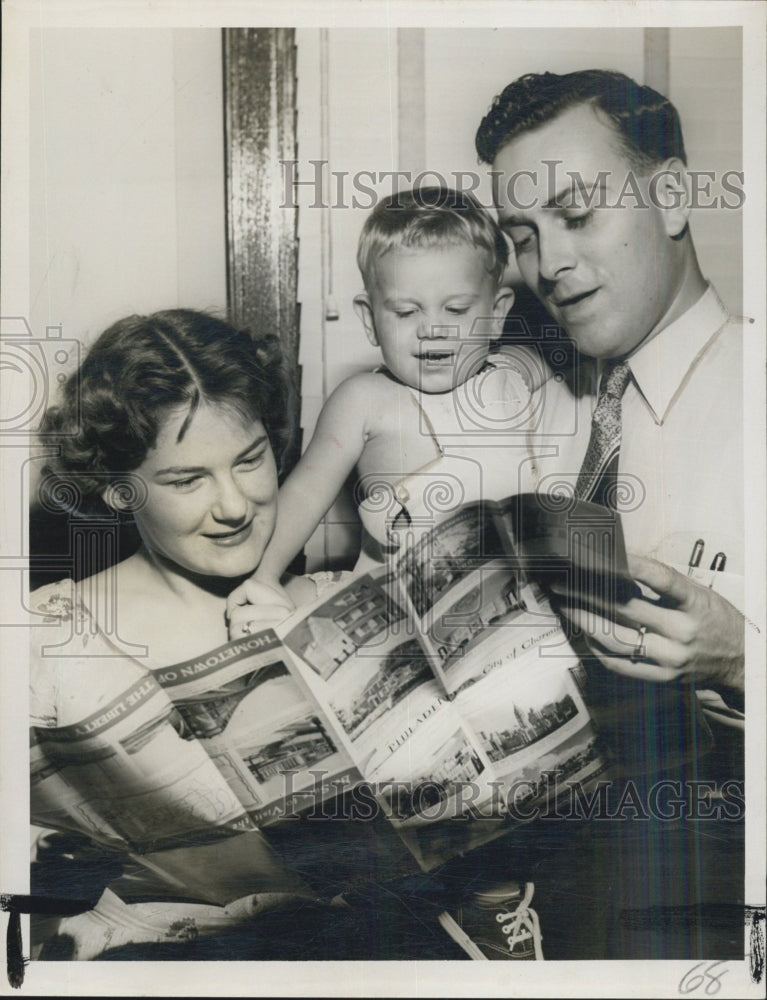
{"type": "Point", "coordinates": [171, 792]}
{"type": "Point", "coordinates": [462, 582]}
{"type": "Point", "coordinates": [362, 658]}
{"type": "Point", "coordinates": [504, 660]}
{"type": "Point", "coordinates": [574, 544]}
{"type": "Point", "coordinates": [523, 700]}
{"type": "Point", "coordinates": [179, 814]}
{"type": "Point", "coordinates": [479, 583]}
{"type": "Point", "coordinates": [267, 738]}
{"type": "Point", "coordinates": [578, 548]}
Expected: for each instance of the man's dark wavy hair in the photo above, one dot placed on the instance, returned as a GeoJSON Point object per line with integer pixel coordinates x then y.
{"type": "Point", "coordinates": [646, 123]}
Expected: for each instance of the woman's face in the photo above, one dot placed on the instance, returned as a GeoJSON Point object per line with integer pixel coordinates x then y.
{"type": "Point", "coordinates": [212, 496]}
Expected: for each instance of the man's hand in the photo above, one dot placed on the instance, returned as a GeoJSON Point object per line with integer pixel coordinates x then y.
{"type": "Point", "coordinates": [256, 605]}
{"type": "Point", "coordinates": [690, 631]}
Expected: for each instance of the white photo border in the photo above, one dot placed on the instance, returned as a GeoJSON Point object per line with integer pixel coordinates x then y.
{"type": "Point", "coordinates": [582, 979]}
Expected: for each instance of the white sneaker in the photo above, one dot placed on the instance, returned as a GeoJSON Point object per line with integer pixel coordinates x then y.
{"type": "Point", "coordinates": [497, 924]}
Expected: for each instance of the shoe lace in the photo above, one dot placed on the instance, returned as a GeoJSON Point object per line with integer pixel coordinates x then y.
{"type": "Point", "coordinates": [522, 923]}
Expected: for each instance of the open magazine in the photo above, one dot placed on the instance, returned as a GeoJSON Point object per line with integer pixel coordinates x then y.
{"type": "Point", "coordinates": [439, 690]}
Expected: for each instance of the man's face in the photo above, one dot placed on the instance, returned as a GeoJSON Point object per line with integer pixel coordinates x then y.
{"type": "Point", "coordinates": [608, 275]}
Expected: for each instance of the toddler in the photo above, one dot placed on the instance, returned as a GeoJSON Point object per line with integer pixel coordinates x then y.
{"type": "Point", "coordinates": [443, 407]}
{"type": "Point", "coordinates": [440, 423]}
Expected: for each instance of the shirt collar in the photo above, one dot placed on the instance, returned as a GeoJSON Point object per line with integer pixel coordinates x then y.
{"type": "Point", "coordinates": [661, 365]}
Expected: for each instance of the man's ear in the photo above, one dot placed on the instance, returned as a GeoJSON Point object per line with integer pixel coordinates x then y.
{"type": "Point", "coordinates": [364, 310]}
{"type": "Point", "coordinates": [671, 192]}
{"type": "Point", "coordinates": [504, 300]}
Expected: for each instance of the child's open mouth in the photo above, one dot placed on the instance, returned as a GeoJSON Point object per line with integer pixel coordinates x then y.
{"type": "Point", "coordinates": [437, 357]}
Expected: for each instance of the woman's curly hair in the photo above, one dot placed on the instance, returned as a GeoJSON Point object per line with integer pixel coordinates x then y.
{"type": "Point", "coordinates": [141, 367]}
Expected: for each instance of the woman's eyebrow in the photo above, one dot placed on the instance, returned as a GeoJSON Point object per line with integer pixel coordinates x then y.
{"type": "Point", "coordinates": [256, 443]}
{"type": "Point", "coordinates": [176, 469]}
{"type": "Point", "coordinates": [179, 469]}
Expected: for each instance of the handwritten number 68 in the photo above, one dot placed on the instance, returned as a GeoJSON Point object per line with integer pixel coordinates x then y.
{"type": "Point", "coordinates": [694, 979]}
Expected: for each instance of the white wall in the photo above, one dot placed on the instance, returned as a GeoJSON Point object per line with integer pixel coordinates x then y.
{"type": "Point", "coordinates": [126, 175]}
{"type": "Point", "coordinates": [705, 84]}
{"type": "Point", "coordinates": [361, 134]}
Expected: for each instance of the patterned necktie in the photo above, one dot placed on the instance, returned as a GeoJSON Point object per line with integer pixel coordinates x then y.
{"type": "Point", "coordinates": [597, 478]}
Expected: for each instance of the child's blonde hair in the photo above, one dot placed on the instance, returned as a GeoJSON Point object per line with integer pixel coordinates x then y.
{"type": "Point", "coordinates": [430, 217]}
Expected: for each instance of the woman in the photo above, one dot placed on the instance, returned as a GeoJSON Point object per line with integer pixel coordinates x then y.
{"type": "Point", "coordinates": [175, 418]}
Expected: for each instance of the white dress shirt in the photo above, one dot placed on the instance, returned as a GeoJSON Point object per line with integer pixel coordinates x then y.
{"type": "Point", "coordinates": [681, 458]}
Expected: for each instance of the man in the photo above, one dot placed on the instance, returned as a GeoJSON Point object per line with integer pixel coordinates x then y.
{"type": "Point", "coordinates": [592, 188]}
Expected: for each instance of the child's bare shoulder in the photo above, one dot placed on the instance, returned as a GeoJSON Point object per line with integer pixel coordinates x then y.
{"type": "Point", "coordinates": [367, 392]}
{"type": "Point", "coordinates": [363, 404]}
{"type": "Point", "coordinates": [376, 382]}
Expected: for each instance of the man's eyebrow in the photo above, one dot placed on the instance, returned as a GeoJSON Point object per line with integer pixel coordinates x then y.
{"type": "Point", "coordinates": [513, 220]}
{"type": "Point", "coordinates": [555, 201]}
{"type": "Point", "coordinates": [177, 470]}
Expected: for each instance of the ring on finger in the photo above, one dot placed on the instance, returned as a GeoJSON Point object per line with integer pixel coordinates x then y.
{"type": "Point", "coordinates": [249, 628]}
{"type": "Point", "coordinates": [640, 649]}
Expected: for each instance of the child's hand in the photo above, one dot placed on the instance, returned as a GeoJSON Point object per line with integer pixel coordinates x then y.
{"type": "Point", "coordinates": [256, 605]}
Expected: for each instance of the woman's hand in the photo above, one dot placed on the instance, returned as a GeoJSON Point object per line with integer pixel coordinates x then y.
{"type": "Point", "coordinates": [689, 632]}
{"type": "Point", "coordinates": [256, 605]}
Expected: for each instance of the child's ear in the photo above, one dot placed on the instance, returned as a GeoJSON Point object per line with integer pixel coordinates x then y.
{"type": "Point", "coordinates": [671, 192]}
{"type": "Point", "coordinates": [364, 310]}
{"type": "Point", "coordinates": [504, 300]}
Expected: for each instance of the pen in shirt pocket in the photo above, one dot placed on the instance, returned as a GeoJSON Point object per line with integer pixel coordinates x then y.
{"type": "Point", "coordinates": [717, 565]}
{"type": "Point", "coordinates": [695, 556]}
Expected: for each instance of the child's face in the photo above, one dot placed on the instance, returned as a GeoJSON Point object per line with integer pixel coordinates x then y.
{"type": "Point", "coordinates": [433, 311]}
